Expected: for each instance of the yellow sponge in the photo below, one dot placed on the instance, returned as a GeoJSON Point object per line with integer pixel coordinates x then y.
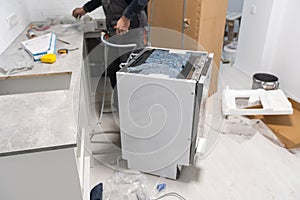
{"type": "Point", "coordinates": [48, 58]}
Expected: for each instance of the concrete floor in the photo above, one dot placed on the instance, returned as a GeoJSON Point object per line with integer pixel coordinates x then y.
{"type": "Point", "coordinates": [233, 166]}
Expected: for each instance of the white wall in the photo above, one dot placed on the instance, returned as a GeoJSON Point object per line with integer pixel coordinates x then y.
{"type": "Point", "coordinates": [274, 28]}
{"type": "Point", "coordinates": [34, 10]}
{"type": "Point", "coordinates": [235, 5]}
{"type": "Point", "coordinates": [7, 8]}
{"type": "Point", "coordinates": [286, 59]}
{"type": "Point", "coordinates": [269, 42]}
{"type": "Point", "coordinates": [253, 35]}
{"type": "Point", "coordinates": [56, 8]}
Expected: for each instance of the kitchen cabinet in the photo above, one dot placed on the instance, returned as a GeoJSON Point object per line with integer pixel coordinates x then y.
{"type": "Point", "coordinates": [44, 133]}
{"type": "Point", "coordinates": [43, 175]}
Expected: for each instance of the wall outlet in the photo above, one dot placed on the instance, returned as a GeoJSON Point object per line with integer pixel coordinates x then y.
{"type": "Point", "coordinates": [12, 21]}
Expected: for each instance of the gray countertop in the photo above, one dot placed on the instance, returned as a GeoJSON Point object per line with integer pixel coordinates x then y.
{"type": "Point", "coordinates": [32, 122]}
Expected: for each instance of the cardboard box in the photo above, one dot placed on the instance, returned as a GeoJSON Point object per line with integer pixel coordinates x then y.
{"type": "Point", "coordinates": [285, 127]}
{"type": "Point", "coordinates": [205, 29]}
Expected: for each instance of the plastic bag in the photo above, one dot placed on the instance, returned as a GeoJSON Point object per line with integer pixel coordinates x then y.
{"type": "Point", "coordinates": [15, 63]}
{"type": "Point", "coordinates": [126, 186]}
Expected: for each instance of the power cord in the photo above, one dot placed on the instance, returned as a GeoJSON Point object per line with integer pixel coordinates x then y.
{"type": "Point", "coordinates": [150, 23]}
{"type": "Point", "coordinates": [106, 43]}
{"type": "Point", "coordinates": [170, 194]}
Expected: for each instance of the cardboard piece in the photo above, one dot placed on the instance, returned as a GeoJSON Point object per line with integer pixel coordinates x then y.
{"type": "Point", "coordinates": [285, 127]}
{"type": "Point", "coordinates": [166, 14]}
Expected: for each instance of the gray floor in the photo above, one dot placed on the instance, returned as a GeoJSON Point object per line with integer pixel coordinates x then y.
{"type": "Point", "coordinates": [234, 166]}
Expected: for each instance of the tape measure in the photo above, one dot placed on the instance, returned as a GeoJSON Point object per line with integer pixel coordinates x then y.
{"type": "Point", "coordinates": [65, 51]}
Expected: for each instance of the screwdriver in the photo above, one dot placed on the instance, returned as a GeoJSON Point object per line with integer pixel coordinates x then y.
{"type": "Point", "coordinates": [65, 51]}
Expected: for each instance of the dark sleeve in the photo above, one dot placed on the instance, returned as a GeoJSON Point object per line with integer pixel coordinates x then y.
{"type": "Point", "coordinates": [134, 8]}
{"type": "Point", "coordinates": [91, 5]}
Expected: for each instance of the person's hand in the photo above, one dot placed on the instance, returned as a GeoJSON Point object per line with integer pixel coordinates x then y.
{"type": "Point", "coordinates": [78, 12]}
{"type": "Point", "coordinates": [123, 25]}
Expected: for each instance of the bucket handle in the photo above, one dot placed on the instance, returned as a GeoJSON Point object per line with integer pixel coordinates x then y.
{"type": "Point", "coordinates": [270, 85]}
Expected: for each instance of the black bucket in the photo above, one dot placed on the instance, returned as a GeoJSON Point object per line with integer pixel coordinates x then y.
{"type": "Point", "coordinates": [265, 81]}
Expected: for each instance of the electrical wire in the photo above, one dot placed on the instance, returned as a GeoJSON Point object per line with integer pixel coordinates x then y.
{"type": "Point", "coordinates": [134, 46]}
{"type": "Point", "coordinates": [106, 43]}
{"type": "Point", "coordinates": [170, 194]}
{"type": "Point", "coordinates": [150, 23]}
{"type": "Point", "coordinates": [105, 77]}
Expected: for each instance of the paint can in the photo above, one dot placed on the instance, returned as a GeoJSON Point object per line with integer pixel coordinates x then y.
{"type": "Point", "coordinates": [265, 81]}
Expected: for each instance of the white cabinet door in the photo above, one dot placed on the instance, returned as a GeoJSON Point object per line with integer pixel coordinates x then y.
{"type": "Point", "coordinates": [45, 175]}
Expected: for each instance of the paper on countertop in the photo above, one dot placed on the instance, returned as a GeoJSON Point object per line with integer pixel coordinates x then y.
{"type": "Point", "coordinates": [39, 46]}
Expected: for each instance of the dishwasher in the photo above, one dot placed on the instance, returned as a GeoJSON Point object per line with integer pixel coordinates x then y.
{"type": "Point", "coordinates": [161, 103]}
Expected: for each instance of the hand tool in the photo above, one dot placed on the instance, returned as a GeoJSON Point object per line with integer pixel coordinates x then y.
{"type": "Point", "coordinates": [65, 51]}
{"type": "Point", "coordinates": [62, 41]}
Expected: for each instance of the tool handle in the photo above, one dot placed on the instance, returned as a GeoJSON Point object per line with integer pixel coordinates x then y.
{"type": "Point", "coordinates": [62, 51]}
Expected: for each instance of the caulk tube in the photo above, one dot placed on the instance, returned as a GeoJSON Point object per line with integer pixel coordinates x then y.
{"type": "Point", "coordinates": [31, 34]}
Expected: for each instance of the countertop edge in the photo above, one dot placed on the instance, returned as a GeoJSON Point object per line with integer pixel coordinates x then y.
{"type": "Point", "coordinates": [36, 150]}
